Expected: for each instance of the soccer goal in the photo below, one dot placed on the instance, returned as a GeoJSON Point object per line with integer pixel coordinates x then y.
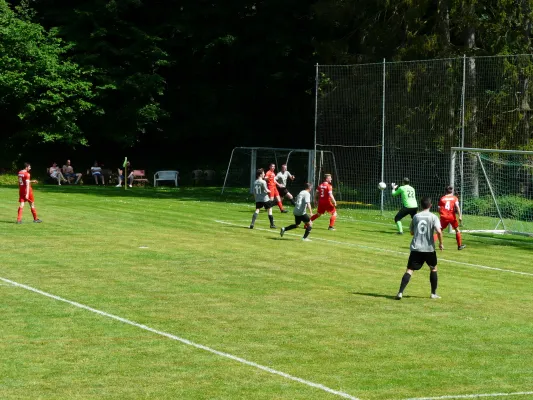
{"type": "Point", "coordinates": [495, 189]}
{"type": "Point", "coordinates": [244, 162]}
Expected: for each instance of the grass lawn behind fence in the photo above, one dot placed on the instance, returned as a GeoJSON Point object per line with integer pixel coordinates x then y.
{"type": "Point", "coordinates": [183, 262]}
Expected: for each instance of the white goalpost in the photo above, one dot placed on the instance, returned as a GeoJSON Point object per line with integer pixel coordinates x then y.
{"type": "Point", "coordinates": [306, 165]}
{"type": "Point", "coordinates": [495, 189]}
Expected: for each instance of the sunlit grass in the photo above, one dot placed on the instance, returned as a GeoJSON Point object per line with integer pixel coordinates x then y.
{"type": "Point", "coordinates": [183, 261]}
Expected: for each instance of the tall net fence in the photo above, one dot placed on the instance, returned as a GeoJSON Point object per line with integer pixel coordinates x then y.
{"type": "Point", "coordinates": [392, 120]}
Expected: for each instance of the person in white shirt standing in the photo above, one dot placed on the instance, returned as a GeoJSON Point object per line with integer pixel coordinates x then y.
{"type": "Point", "coordinates": [281, 182]}
{"type": "Point", "coordinates": [302, 205]}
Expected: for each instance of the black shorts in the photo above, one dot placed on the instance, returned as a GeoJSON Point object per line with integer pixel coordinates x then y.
{"type": "Point", "coordinates": [418, 258]}
{"type": "Point", "coordinates": [282, 191]}
{"type": "Point", "coordinates": [263, 204]}
{"type": "Point", "coordinates": [298, 219]}
{"type": "Point", "coordinates": [405, 211]}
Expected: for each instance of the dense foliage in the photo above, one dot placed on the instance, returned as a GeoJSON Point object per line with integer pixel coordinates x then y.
{"type": "Point", "coordinates": [138, 75]}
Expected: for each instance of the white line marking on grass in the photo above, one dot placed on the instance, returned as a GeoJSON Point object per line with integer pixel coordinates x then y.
{"type": "Point", "coordinates": [184, 341]}
{"type": "Point", "coordinates": [355, 221]}
{"type": "Point", "coordinates": [472, 396]}
{"type": "Point", "coordinates": [362, 246]}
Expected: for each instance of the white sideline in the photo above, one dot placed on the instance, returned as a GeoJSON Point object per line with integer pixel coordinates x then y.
{"type": "Point", "coordinates": [472, 396]}
{"type": "Point", "coordinates": [510, 271]}
{"type": "Point", "coordinates": [182, 340]}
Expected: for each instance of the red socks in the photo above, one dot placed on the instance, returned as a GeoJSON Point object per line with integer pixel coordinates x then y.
{"type": "Point", "coordinates": [332, 220]}
{"type": "Point", "coordinates": [458, 238]}
{"type": "Point", "coordinates": [19, 215]}
{"type": "Point", "coordinates": [314, 216]}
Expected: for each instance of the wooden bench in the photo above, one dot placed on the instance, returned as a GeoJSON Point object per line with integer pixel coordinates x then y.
{"type": "Point", "coordinates": [166, 176]}
{"type": "Point", "coordinates": [139, 177]}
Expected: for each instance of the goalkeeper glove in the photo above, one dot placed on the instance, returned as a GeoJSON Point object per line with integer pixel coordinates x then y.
{"type": "Point", "coordinates": [393, 185]}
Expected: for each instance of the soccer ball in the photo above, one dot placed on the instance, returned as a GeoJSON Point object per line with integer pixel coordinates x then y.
{"type": "Point", "coordinates": [382, 185]}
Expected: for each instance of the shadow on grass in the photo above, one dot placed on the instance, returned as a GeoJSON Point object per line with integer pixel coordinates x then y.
{"type": "Point", "coordinates": [181, 193]}
{"type": "Point", "coordinates": [386, 296]}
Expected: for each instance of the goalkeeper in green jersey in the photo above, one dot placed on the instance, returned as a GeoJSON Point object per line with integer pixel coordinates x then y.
{"type": "Point", "coordinates": [410, 206]}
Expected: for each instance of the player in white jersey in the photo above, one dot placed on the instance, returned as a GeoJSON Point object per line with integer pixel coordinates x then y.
{"type": "Point", "coordinates": [302, 204]}
{"type": "Point", "coordinates": [281, 182]}
{"type": "Point", "coordinates": [423, 225]}
{"type": "Point", "coordinates": [262, 200]}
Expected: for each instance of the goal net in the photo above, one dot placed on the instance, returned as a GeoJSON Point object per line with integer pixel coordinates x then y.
{"type": "Point", "coordinates": [387, 121]}
{"type": "Point", "coordinates": [244, 162]}
{"type": "Point", "coordinates": [495, 189]}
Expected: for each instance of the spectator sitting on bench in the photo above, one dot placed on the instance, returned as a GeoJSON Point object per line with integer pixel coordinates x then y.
{"type": "Point", "coordinates": [55, 173]}
{"type": "Point", "coordinates": [121, 175]}
{"type": "Point", "coordinates": [96, 171]}
{"type": "Point", "coordinates": [68, 172]}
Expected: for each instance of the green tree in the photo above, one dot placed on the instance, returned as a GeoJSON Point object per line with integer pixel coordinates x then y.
{"type": "Point", "coordinates": [42, 96]}
{"type": "Point", "coordinates": [118, 41]}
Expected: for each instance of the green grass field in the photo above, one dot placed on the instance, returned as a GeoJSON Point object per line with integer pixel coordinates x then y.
{"type": "Point", "coordinates": [166, 294]}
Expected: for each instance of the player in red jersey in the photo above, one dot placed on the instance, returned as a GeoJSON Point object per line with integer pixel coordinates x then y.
{"type": "Point", "coordinates": [26, 193]}
{"type": "Point", "coordinates": [448, 207]}
{"type": "Point", "coordinates": [326, 201]}
{"type": "Point", "coordinates": [270, 178]}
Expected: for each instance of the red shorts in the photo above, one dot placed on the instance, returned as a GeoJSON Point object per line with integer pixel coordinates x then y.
{"type": "Point", "coordinates": [444, 222]}
{"type": "Point", "coordinates": [273, 192]}
{"type": "Point", "coordinates": [22, 197]}
{"type": "Point", "coordinates": [326, 207]}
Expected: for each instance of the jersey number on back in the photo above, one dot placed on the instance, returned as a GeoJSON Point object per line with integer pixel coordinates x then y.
{"type": "Point", "coordinates": [447, 206]}
{"type": "Point", "coordinates": [422, 227]}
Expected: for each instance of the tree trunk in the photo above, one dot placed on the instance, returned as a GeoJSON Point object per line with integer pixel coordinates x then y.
{"type": "Point", "coordinates": [443, 29]}
{"type": "Point", "coordinates": [524, 65]}
{"type": "Point", "coordinates": [525, 109]}
{"type": "Point", "coordinates": [471, 101]}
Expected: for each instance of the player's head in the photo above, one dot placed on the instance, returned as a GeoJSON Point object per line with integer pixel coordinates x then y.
{"type": "Point", "coordinates": [449, 189]}
{"type": "Point", "coordinates": [406, 181]}
{"type": "Point", "coordinates": [27, 166]}
{"type": "Point", "coordinates": [308, 186]}
{"type": "Point", "coordinates": [259, 173]}
{"type": "Point", "coordinates": [272, 167]}
{"type": "Point", "coordinates": [327, 177]}
{"type": "Point", "coordinates": [426, 203]}
{"type": "Point", "coordinates": [54, 164]}
{"type": "Point", "coordinates": [283, 167]}
{"type": "Point", "coordinates": [68, 162]}
{"type": "Point", "coordinates": [96, 163]}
